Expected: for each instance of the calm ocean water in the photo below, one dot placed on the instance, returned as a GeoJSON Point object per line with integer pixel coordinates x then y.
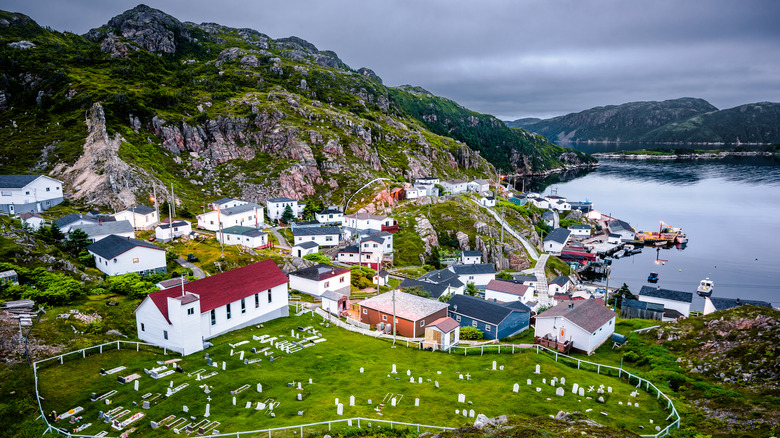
{"type": "Point", "coordinates": [729, 208]}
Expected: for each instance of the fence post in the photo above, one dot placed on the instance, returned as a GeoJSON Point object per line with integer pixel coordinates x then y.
{"type": "Point", "coordinates": [84, 353]}
{"type": "Point", "coordinates": [117, 345]}
{"type": "Point", "coordinates": [481, 350]}
{"type": "Point", "coordinates": [358, 423]}
{"type": "Point", "coordinates": [598, 369]}
{"type": "Point", "coordinates": [101, 348]}
{"type": "Point", "coordinates": [556, 356]}
{"type": "Point", "coordinates": [137, 346]}
{"type": "Point", "coordinates": [578, 363]}
{"type": "Point", "coordinates": [61, 358]}
{"type": "Point", "coordinates": [269, 433]}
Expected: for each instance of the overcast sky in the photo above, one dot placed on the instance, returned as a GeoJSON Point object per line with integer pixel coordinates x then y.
{"type": "Point", "coordinates": [511, 59]}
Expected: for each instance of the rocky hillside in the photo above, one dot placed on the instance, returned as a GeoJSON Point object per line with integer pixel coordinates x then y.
{"type": "Point", "coordinates": [146, 101]}
{"type": "Point", "coordinates": [685, 120]}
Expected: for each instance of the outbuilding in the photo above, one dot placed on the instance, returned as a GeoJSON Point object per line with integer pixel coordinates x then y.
{"type": "Point", "coordinates": [582, 325]}
{"type": "Point", "coordinates": [671, 299]}
{"type": "Point", "coordinates": [442, 334]}
{"type": "Point", "coordinates": [117, 255]}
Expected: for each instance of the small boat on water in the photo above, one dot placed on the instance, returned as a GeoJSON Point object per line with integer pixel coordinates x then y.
{"type": "Point", "coordinates": [653, 277]}
{"type": "Point", "coordinates": [681, 238]}
{"type": "Point", "coordinates": [705, 287]}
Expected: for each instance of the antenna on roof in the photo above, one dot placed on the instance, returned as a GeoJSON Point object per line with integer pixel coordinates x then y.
{"type": "Point", "coordinates": [182, 285]}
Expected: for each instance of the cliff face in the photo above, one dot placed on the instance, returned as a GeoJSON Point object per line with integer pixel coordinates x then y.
{"type": "Point", "coordinates": [218, 111]}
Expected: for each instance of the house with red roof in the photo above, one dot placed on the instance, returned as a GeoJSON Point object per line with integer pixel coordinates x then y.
{"type": "Point", "coordinates": [412, 312]}
{"type": "Point", "coordinates": [442, 334]}
{"type": "Point", "coordinates": [582, 325]}
{"type": "Point", "coordinates": [181, 318]}
{"type": "Point", "coordinates": [508, 290]}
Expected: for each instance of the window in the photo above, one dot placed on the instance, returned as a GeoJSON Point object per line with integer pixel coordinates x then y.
{"type": "Point", "coordinates": [165, 334]}
{"type": "Point", "coordinates": [312, 237]}
{"type": "Point", "coordinates": [422, 323]}
{"type": "Point", "coordinates": [327, 284]}
{"type": "Point", "coordinates": [243, 305]}
{"type": "Point", "coordinates": [135, 260]}
{"type": "Point", "coordinates": [213, 317]}
{"type": "Point", "coordinates": [329, 238]}
{"type": "Point", "coordinates": [487, 327]}
{"type": "Point", "coordinates": [228, 310]}
{"type": "Point", "coordinates": [474, 323]}
{"type": "Point", "coordinates": [375, 245]}
{"type": "Point", "coordinates": [269, 295]}
{"type": "Point", "coordinates": [257, 301]}
{"type": "Point", "coordinates": [365, 311]}
{"type": "Point", "coordinates": [211, 222]}
{"type": "Point", "coordinates": [471, 277]}
{"type": "Point", "coordinates": [191, 311]}
{"type": "Point", "coordinates": [457, 318]}
{"type": "Point", "coordinates": [384, 317]}
{"type": "Point", "coordinates": [27, 192]}
{"type": "Point", "coordinates": [48, 189]}
{"type": "Point", "coordinates": [116, 260]}
{"type": "Point", "coordinates": [143, 329]}
{"type": "Point", "coordinates": [341, 280]}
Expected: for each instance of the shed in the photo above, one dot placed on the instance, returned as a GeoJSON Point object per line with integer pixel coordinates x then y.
{"type": "Point", "coordinates": [442, 334]}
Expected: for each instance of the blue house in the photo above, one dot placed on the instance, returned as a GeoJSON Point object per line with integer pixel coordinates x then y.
{"type": "Point", "coordinates": [496, 320]}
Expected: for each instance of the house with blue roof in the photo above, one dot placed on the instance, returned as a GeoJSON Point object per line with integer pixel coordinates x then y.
{"type": "Point", "coordinates": [672, 300]}
{"type": "Point", "coordinates": [29, 193]}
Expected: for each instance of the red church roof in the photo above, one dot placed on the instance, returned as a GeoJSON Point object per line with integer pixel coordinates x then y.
{"type": "Point", "coordinates": [227, 287]}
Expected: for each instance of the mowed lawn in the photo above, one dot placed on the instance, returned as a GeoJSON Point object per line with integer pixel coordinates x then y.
{"type": "Point", "coordinates": [334, 367]}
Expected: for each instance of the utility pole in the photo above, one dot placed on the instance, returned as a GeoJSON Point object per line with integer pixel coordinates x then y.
{"type": "Point", "coordinates": [394, 320]}
{"type": "Point", "coordinates": [156, 204]}
{"type": "Point", "coordinates": [173, 200]}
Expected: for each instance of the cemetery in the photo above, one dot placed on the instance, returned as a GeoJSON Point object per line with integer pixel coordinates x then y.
{"type": "Point", "coordinates": [301, 370]}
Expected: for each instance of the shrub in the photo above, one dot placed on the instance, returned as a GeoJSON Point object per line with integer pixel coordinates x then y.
{"type": "Point", "coordinates": [471, 333]}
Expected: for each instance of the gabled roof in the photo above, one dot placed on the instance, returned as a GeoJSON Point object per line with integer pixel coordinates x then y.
{"type": "Point", "coordinates": [308, 245]}
{"type": "Point", "coordinates": [113, 245]}
{"type": "Point", "coordinates": [435, 289]}
{"type": "Point", "coordinates": [524, 278]}
{"type": "Point", "coordinates": [315, 231]}
{"type": "Point", "coordinates": [472, 253]}
{"type": "Point", "coordinates": [331, 210]}
{"type": "Point", "coordinates": [220, 289]}
{"type": "Point", "coordinates": [73, 217]}
{"type": "Point", "coordinates": [518, 305]}
{"type": "Point", "coordinates": [728, 303]}
{"type": "Point", "coordinates": [175, 223]}
{"type": "Point", "coordinates": [243, 231]}
{"type": "Point", "coordinates": [243, 208]}
{"type": "Point", "coordinates": [373, 238]}
{"type": "Point", "coordinates": [580, 227]}
{"type": "Point", "coordinates": [478, 268]}
{"type": "Point", "coordinates": [366, 216]}
{"type": "Point", "coordinates": [223, 201]}
{"type": "Point", "coordinates": [25, 216]}
{"type": "Point", "coordinates": [455, 181]}
{"type": "Point", "coordinates": [115, 227]}
{"type": "Point", "coordinates": [616, 225]}
{"type": "Point", "coordinates": [446, 324]}
{"type": "Point", "coordinates": [319, 272]}
{"type": "Point", "coordinates": [438, 276]}
{"type": "Point", "coordinates": [560, 280]}
{"type": "Point", "coordinates": [383, 273]}
{"type": "Point", "coordinates": [16, 181]}
{"type": "Point", "coordinates": [507, 287]}
{"type": "Point", "coordinates": [666, 294]}
{"type": "Point", "coordinates": [477, 308]}
{"type": "Point", "coordinates": [140, 209]}
{"type": "Point", "coordinates": [587, 314]}
{"type": "Point", "coordinates": [559, 235]}
{"type": "Point", "coordinates": [643, 305]}
{"type": "Point", "coordinates": [352, 249]}
{"type": "Point", "coordinates": [334, 296]}
{"type": "Point", "coordinates": [548, 214]}
{"type": "Point", "coordinates": [407, 306]}
{"type": "Point", "coordinates": [282, 199]}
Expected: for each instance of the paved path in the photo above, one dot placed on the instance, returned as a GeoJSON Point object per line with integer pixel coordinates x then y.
{"type": "Point", "coordinates": [528, 247]}
{"type": "Point", "coordinates": [282, 241]}
{"type": "Point", "coordinates": [541, 281]}
{"type": "Point", "coordinates": [196, 271]}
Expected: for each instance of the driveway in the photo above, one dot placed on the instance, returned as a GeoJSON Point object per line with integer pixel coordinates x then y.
{"type": "Point", "coordinates": [282, 241]}
{"type": "Point", "coordinates": [196, 271]}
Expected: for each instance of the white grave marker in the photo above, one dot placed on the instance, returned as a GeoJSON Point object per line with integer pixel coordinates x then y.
{"type": "Point", "coordinates": [436, 383]}
{"type": "Point", "coordinates": [538, 369]}
{"type": "Point", "coordinates": [575, 388]}
{"type": "Point", "coordinates": [394, 371]}
{"type": "Point", "coordinates": [494, 365]}
{"type": "Point", "coordinates": [528, 382]}
{"type": "Point", "coordinates": [563, 381]}
{"type": "Point", "coordinates": [208, 408]}
{"type": "Point", "coordinates": [340, 409]}
{"type": "Point", "coordinates": [392, 401]}
{"type": "Point", "coordinates": [582, 392]}
{"type": "Point", "coordinates": [609, 389]}
{"type": "Point", "coordinates": [461, 398]}
{"type": "Point", "coordinates": [471, 413]}
{"type": "Point", "coordinates": [416, 402]}
{"type": "Point", "coordinates": [361, 370]}
{"type": "Point", "coordinates": [234, 401]}
{"type": "Point", "coordinates": [419, 380]}
{"type": "Point", "coordinates": [559, 391]}
{"type": "Point", "coordinates": [515, 388]}
{"type": "Point", "coordinates": [135, 385]}
{"type": "Point", "coordinates": [352, 400]}
{"type": "Point", "coordinates": [185, 408]}
{"type": "Point", "coordinates": [223, 365]}
{"type": "Point", "coordinates": [411, 379]}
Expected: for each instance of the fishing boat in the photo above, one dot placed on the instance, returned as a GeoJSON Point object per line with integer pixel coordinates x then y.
{"type": "Point", "coordinates": [653, 277]}
{"type": "Point", "coordinates": [681, 238]}
{"type": "Point", "coordinates": [705, 287]}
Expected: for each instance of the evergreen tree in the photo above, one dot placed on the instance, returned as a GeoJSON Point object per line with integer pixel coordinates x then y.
{"type": "Point", "coordinates": [287, 215]}
{"type": "Point", "coordinates": [434, 259]}
{"type": "Point", "coordinates": [471, 289]}
{"type": "Point", "coordinates": [78, 240]}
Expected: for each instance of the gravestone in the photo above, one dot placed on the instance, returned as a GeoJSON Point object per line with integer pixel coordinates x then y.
{"type": "Point", "coordinates": [154, 425]}
{"type": "Point", "coordinates": [501, 368]}
{"type": "Point", "coordinates": [170, 385]}
{"type": "Point", "coordinates": [352, 400]}
{"type": "Point", "coordinates": [145, 404]}
{"type": "Point", "coordinates": [515, 388]}
{"type": "Point", "coordinates": [461, 398]}
{"type": "Point", "coordinates": [394, 371]}
{"type": "Point", "coordinates": [471, 413]}
{"type": "Point", "coordinates": [528, 382]}
{"type": "Point", "coordinates": [248, 405]}
{"type": "Point", "coordinates": [241, 355]}
{"type": "Point", "coordinates": [208, 408]}
{"type": "Point", "coordinates": [460, 376]}
{"type": "Point", "coordinates": [465, 413]}
{"type": "Point", "coordinates": [582, 392]}
{"type": "Point", "coordinates": [234, 401]}
{"type": "Point", "coordinates": [135, 385]}
{"type": "Point", "coordinates": [457, 411]}
{"type": "Point", "coordinates": [361, 370]}
{"type": "Point", "coordinates": [419, 380]}
{"type": "Point", "coordinates": [369, 401]}
{"type": "Point", "coordinates": [538, 389]}
{"type": "Point", "coordinates": [185, 408]}
{"type": "Point", "coordinates": [436, 383]}
{"type": "Point", "coordinates": [337, 401]}
{"type": "Point", "coordinates": [559, 391]}
{"type": "Point", "coordinates": [552, 382]}
{"type": "Point", "coordinates": [601, 399]}
{"type": "Point", "coordinates": [223, 365]}
{"type": "Point", "coordinates": [600, 391]}
{"type": "Point", "coordinates": [392, 401]}
{"type": "Point", "coordinates": [231, 352]}
{"type": "Point", "coordinates": [408, 372]}
{"type": "Point", "coordinates": [494, 365]}
{"type": "Point", "coordinates": [544, 381]}
{"type": "Point", "coordinates": [259, 406]}
{"type": "Point", "coordinates": [416, 402]}
{"type": "Point", "coordinates": [299, 386]}
{"type": "Point", "coordinates": [253, 350]}
{"type": "Point", "coordinates": [609, 389]}
{"type": "Point", "coordinates": [259, 387]}
{"type": "Point", "coordinates": [300, 397]}
{"type": "Point", "coordinates": [209, 362]}
{"type": "Point", "coordinates": [563, 381]}
{"type": "Point", "coordinates": [575, 388]}
{"type": "Point", "coordinates": [538, 369]}
{"type": "Point", "coordinates": [411, 379]}
{"type": "Point", "coordinates": [310, 382]}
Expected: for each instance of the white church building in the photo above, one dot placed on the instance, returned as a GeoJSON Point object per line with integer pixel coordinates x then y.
{"type": "Point", "coordinates": [182, 317]}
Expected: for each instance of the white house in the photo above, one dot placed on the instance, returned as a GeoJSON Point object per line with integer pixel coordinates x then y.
{"type": "Point", "coordinates": [330, 215]}
{"type": "Point", "coordinates": [351, 255]}
{"type": "Point", "coordinates": [315, 280]}
{"type": "Point", "coordinates": [141, 216]}
{"type": "Point", "coordinates": [560, 284]}
{"type": "Point", "coordinates": [335, 303]}
{"type": "Point", "coordinates": [225, 203]}
{"type": "Point", "coordinates": [381, 278]}
{"type": "Point", "coordinates": [117, 255]}
{"type": "Point", "coordinates": [586, 324]}
{"type": "Point", "coordinates": [454, 186]}
{"type": "Point", "coordinates": [29, 193]}
{"type": "Point", "coordinates": [558, 203]}
{"type": "Point", "coordinates": [508, 291]}
{"type": "Point", "coordinates": [442, 334]}
{"type": "Point", "coordinates": [580, 230]}
{"type": "Point", "coordinates": [276, 207]}
{"type": "Point", "coordinates": [32, 220]}
{"type": "Point", "coordinates": [470, 257]}
{"type": "Point", "coordinates": [100, 230]}
{"type": "Point", "coordinates": [322, 236]}
{"type": "Point", "coordinates": [305, 248]}
{"type": "Point", "coordinates": [478, 186]}
{"type": "Point", "coordinates": [366, 221]}
{"type": "Point", "coordinates": [427, 190]}
{"type": "Point", "coordinates": [381, 242]}
{"type": "Point", "coordinates": [72, 221]}
{"type": "Point", "coordinates": [556, 240]}
{"type": "Point", "coordinates": [626, 232]}
{"type": "Point", "coordinates": [247, 237]}
{"type": "Point", "coordinates": [427, 180]}
{"type": "Point", "coordinates": [487, 201]}
{"type": "Point", "coordinates": [678, 301]}
{"type": "Point", "coordinates": [540, 202]}
{"type": "Point", "coordinates": [414, 192]}
{"type": "Point", "coordinates": [171, 230]}
{"type": "Point", "coordinates": [182, 318]}
{"type": "Point", "coordinates": [614, 239]}
{"type": "Point", "coordinates": [479, 273]}
{"type": "Point", "coordinates": [246, 214]}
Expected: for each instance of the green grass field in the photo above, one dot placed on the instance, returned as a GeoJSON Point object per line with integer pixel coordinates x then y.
{"type": "Point", "coordinates": [334, 367]}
